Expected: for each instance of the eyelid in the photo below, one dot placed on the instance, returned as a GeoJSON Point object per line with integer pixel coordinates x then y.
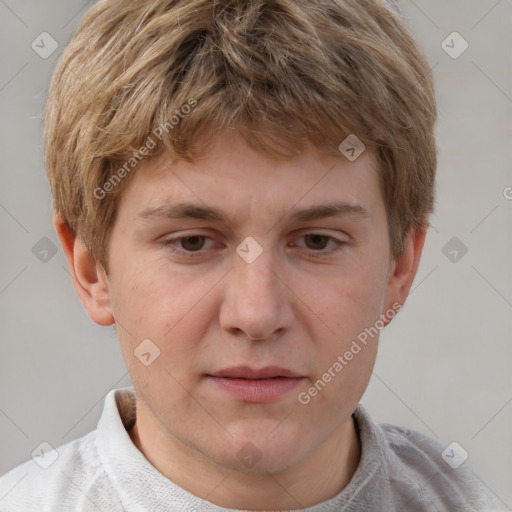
{"type": "Point", "coordinates": [339, 245]}
{"type": "Point", "coordinates": [172, 243]}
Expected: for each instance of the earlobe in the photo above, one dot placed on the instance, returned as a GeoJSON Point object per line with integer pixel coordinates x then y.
{"type": "Point", "coordinates": [89, 278]}
{"type": "Point", "coordinates": [404, 269]}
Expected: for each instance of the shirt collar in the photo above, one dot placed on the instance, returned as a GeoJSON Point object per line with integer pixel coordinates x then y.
{"type": "Point", "coordinates": [142, 487]}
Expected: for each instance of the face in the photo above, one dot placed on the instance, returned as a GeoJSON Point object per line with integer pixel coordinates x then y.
{"type": "Point", "coordinates": [254, 274]}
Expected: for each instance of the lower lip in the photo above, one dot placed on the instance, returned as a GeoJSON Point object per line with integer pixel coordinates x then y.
{"type": "Point", "coordinates": [257, 390]}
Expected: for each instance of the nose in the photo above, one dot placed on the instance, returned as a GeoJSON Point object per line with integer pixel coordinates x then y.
{"type": "Point", "coordinates": [257, 302]}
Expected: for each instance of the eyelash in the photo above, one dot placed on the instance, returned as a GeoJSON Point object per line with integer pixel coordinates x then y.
{"type": "Point", "coordinates": [171, 244]}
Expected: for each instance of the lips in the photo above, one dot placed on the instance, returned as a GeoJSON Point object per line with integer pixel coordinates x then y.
{"type": "Point", "coordinates": [246, 372]}
{"type": "Point", "coordinates": [256, 385]}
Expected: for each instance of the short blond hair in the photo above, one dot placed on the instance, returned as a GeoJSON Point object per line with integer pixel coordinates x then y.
{"type": "Point", "coordinates": [280, 72]}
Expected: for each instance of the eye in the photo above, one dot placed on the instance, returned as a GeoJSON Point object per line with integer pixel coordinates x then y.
{"type": "Point", "coordinates": [195, 244]}
{"type": "Point", "coordinates": [192, 243]}
{"type": "Point", "coordinates": [317, 242]}
{"type": "Point", "coordinates": [186, 245]}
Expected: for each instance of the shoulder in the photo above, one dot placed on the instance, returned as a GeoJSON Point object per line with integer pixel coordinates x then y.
{"type": "Point", "coordinates": [424, 470]}
{"type": "Point", "coordinates": [70, 477]}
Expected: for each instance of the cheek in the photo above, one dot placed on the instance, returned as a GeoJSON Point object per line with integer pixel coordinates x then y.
{"type": "Point", "coordinates": [345, 356]}
{"type": "Point", "coordinates": [170, 308]}
{"type": "Point", "coordinates": [349, 304]}
{"type": "Point", "coordinates": [148, 296]}
{"type": "Point", "coordinates": [352, 299]}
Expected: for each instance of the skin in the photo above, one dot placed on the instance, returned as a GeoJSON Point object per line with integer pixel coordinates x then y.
{"type": "Point", "coordinates": [290, 307]}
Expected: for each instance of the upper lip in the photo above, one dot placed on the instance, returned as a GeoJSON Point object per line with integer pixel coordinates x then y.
{"type": "Point", "coordinates": [246, 372]}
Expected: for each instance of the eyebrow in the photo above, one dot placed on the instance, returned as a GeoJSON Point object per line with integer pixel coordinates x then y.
{"type": "Point", "coordinates": [186, 210]}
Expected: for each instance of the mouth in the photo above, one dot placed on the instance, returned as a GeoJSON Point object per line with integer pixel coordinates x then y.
{"type": "Point", "coordinates": [247, 372]}
{"type": "Point", "coordinates": [261, 385]}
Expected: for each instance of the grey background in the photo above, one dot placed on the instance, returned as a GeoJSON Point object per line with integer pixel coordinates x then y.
{"type": "Point", "coordinates": [444, 364]}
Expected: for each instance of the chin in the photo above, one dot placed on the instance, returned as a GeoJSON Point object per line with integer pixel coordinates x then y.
{"type": "Point", "coordinates": [260, 456]}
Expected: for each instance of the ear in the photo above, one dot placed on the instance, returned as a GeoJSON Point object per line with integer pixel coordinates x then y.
{"type": "Point", "coordinates": [403, 270]}
{"type": "Point", "coordinates": [89, 277]}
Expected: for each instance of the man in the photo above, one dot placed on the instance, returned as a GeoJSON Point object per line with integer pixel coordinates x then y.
{"type": "Point", "coordinates": [243, 189]}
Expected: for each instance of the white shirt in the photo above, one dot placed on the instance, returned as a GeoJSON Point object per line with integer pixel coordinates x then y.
{"type": "Point", "coordinates": [400, 469]}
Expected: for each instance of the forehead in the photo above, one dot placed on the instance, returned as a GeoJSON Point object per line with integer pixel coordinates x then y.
{"type": "Point", "coordinates": [233, 180]}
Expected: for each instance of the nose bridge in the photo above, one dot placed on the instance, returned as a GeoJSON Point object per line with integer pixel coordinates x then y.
{"type": "Point", "coordinates": [255, 301]}
{"type": "Point", "coordinates": [254, 270]}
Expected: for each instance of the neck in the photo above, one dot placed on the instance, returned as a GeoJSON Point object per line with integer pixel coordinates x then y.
{"type": "Point", "coordinates": [321, 475]}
